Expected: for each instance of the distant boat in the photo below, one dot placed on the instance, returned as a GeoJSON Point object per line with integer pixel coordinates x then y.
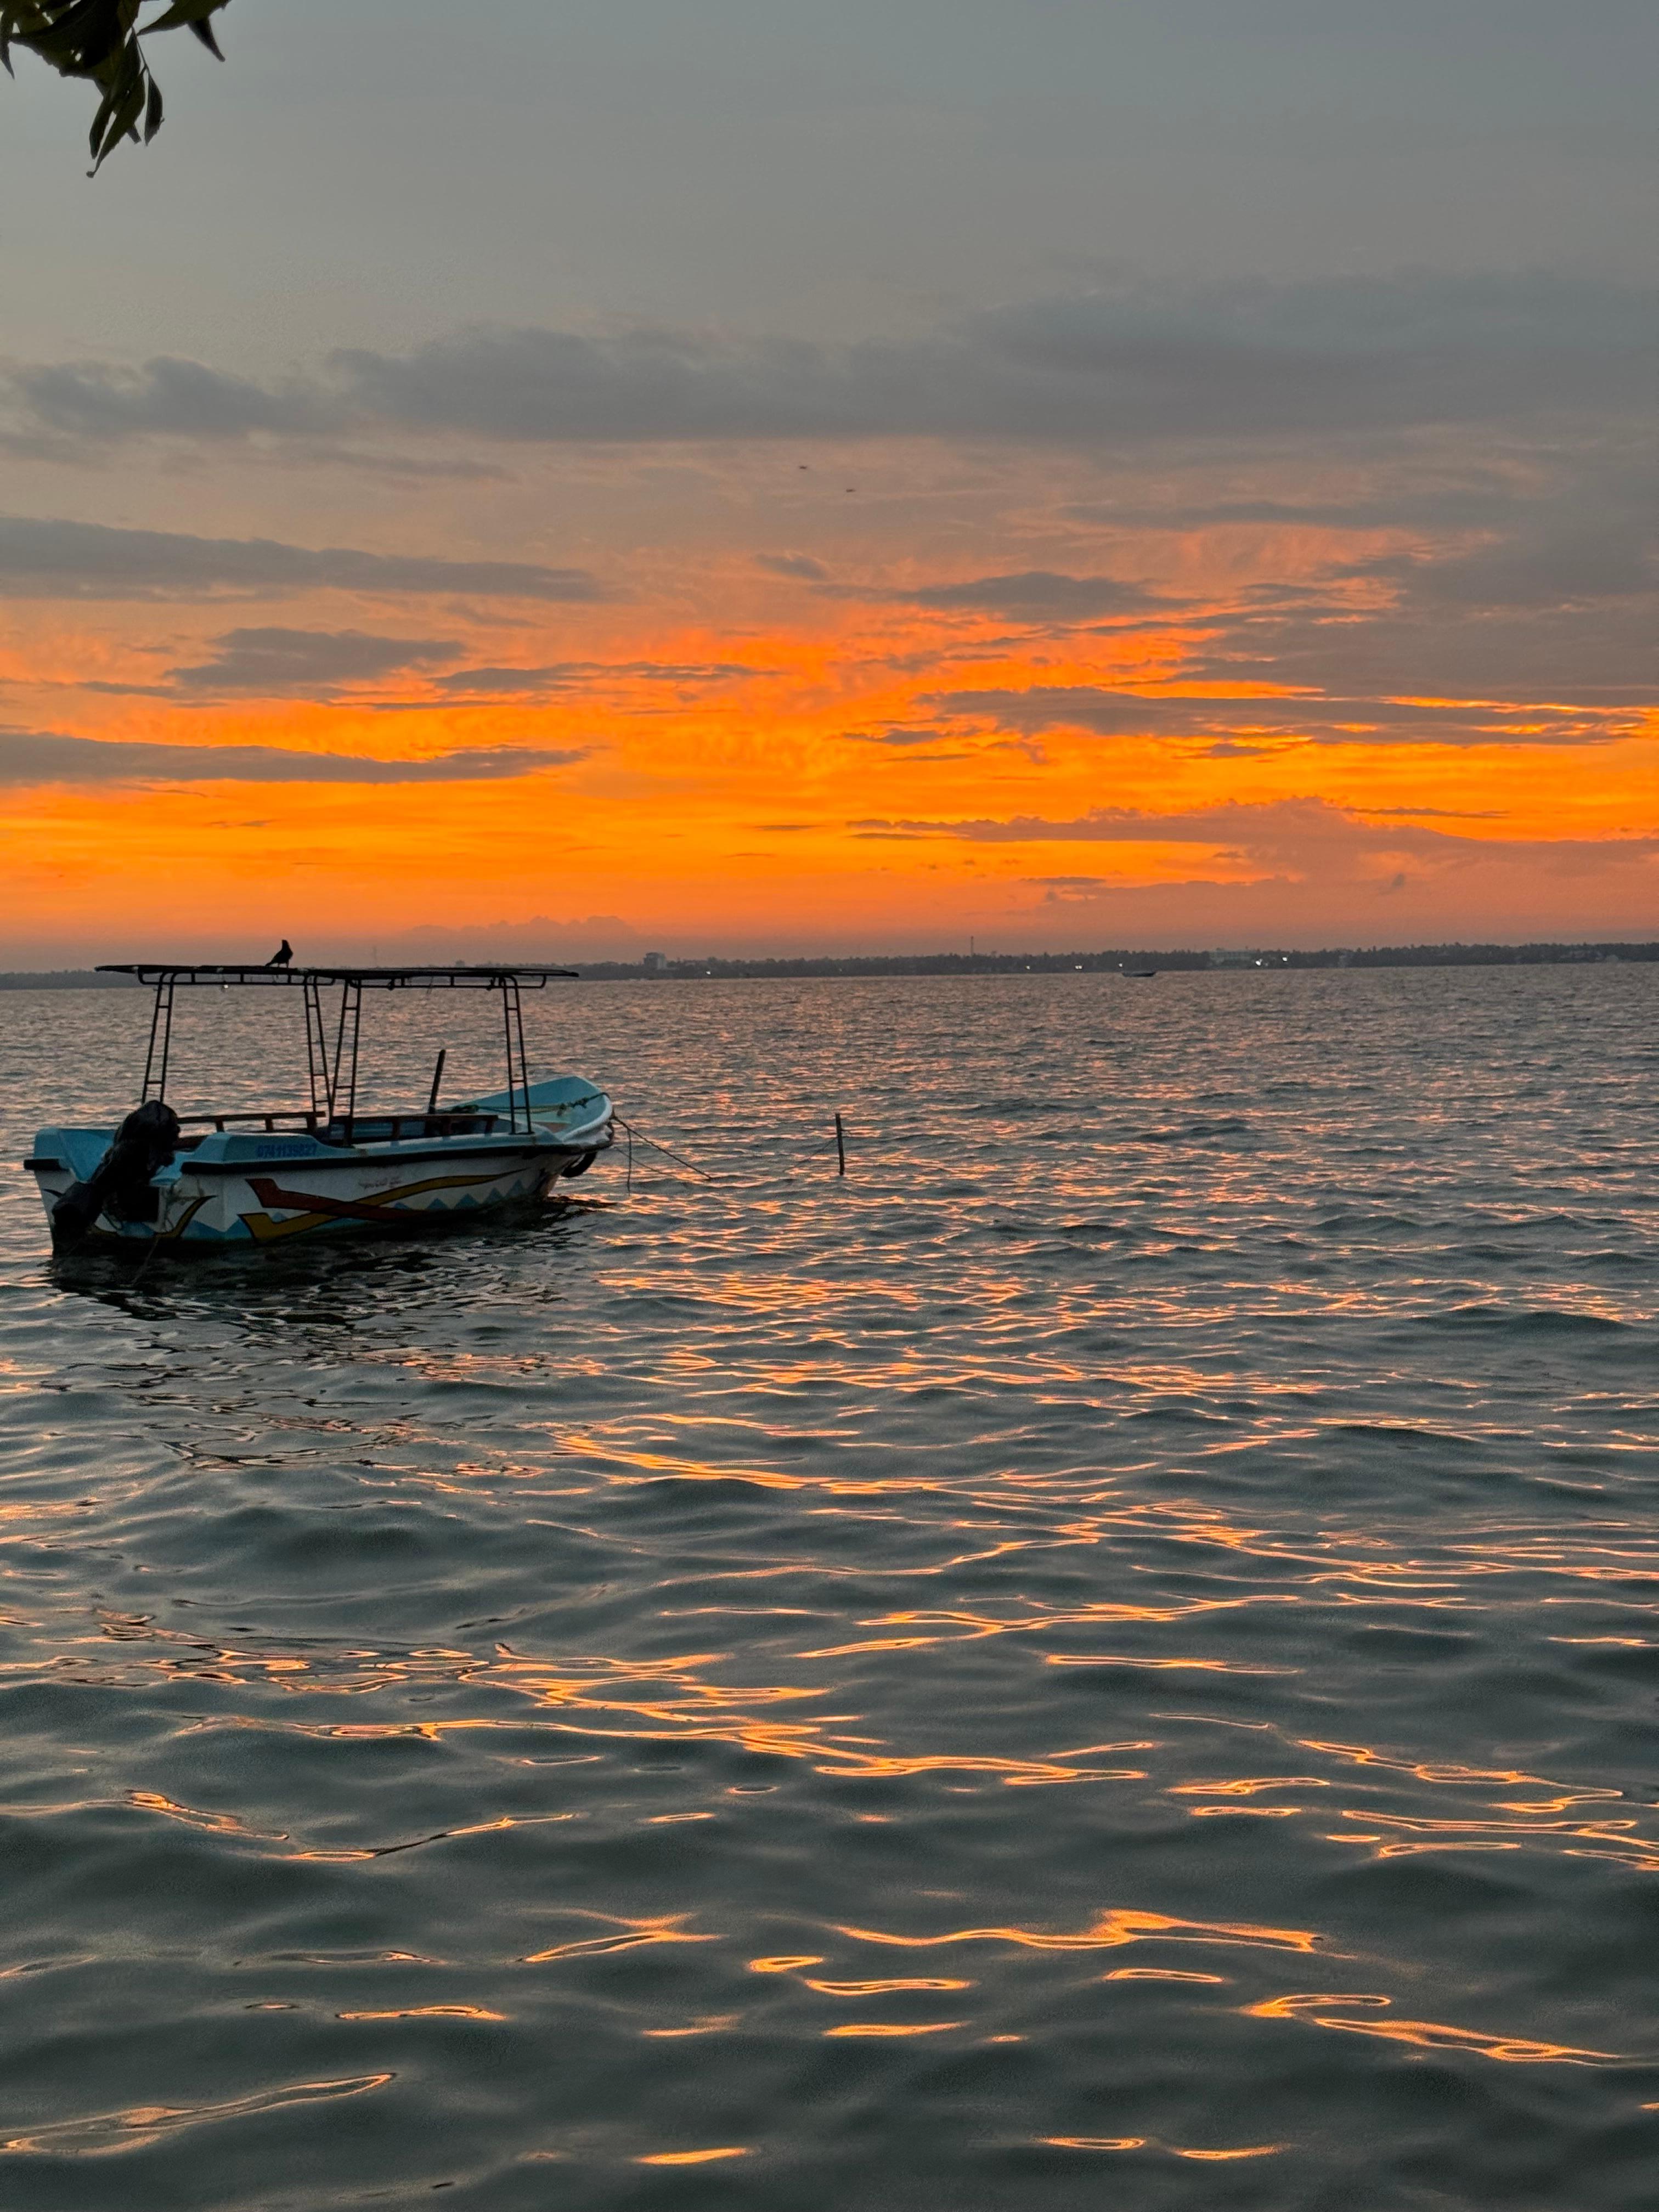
{"type": "Point", "coordinates": [250, 1178]}
{"type": "Point", "coordinates": [1140, 974]}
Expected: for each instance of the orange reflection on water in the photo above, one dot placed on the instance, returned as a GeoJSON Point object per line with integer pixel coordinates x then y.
{"type": "Point", "coordinates": [1363, 1755]}
{"type": "Point", "coordinates": [1110, 1932]}
{"type": "Point", "coordinates": [1248, 1812]}
{"type": "Point", "coordinates": [880, 1988]}
{"type": "Point", "coordinates": [1399, 1835]}
{"type": "Point", "coordinates": [1159, 1974]}
{"type": "Point", "coordinates": [438, 1835]}
{"type": "Point", "coordinates": [1249, 1787]}
{"type": "Point", "coordinates": [221, 1824]}
{"type": "Point", "coordinates": [603, 1699]}
{"type": "Point", "coordinates": [44, 1509]}
{"type": "Point", "coordinates": [1564, 1803]}
{"type": "Point", "coordinates": [786, 1964]}
{"type": "Point", "coordinates": [1160, 1666]}
{"type": "Point", "coordinates": [878, 1643]}
{"type": "Point", "coordinates": [626, 1936]}
{"type": "Point", "coordinates": [885, 2030]}
{"type": "Point", "coordinates": [714, 1715]}
{"type": "Point", "coordinates": [632, 1467]}
{"type": "Point", "coordinates": [710, 2024]}
{"type": "Point", "coordinates": [1173, 2151]}
{"type": "Point", "coordinates": [139, 2126]}
{"type": "Point", "coordinates": [1425, 2034]}
{"type": "Point", "coordinates": [428, 2012]}
{"type": "Point", "coordinates": [974, 1628]}
{"type": "Point", "coordinates": [1098, 2142]}
{"type": "Point", "coordinates": [1250, 2150]}
{"type": "Point", "coordinates": [693, 2157]}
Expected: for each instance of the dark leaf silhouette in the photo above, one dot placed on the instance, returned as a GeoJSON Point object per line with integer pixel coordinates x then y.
{"type": "Point", "coordinates": [99, 40]}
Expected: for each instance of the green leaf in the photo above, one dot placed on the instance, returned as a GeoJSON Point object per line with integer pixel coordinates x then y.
{"type": "Point", "coordinates": [122, 105]}
{"type": "Point", "coordinates": [78, 40]}
{"type": "Point", "coordinates": [96, 139]}
{"type": "Point", "coordinates": [122, 125]}
{"type": "Point", "coordinates": [196, 14]}
{"type": "Point", "coordinates": [152, 110]}
{"type": "Point", "coordinates": [93, 25]}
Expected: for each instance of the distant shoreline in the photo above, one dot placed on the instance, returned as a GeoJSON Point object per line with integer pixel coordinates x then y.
{"type": "Point", "coordinates": [1005, 964]}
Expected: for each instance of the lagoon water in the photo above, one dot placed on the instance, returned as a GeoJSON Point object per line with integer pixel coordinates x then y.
{"type": "Point", "coordinates": [1108, 1659]}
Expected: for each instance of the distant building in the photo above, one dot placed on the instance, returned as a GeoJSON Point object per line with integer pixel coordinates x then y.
{"type": "Point", "coordinates": [1227, 956]}
{"type": "Point", "coordinates": [654, 962]}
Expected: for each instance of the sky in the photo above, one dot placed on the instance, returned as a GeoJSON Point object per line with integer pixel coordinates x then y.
{"type": "Point", "coordinates": [706, 475]}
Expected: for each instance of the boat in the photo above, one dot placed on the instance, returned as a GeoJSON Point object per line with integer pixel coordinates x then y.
{"type": "Point", "coordinates": [1139, 975]}
{"type": "Point", "coordinates": [211, 1180]}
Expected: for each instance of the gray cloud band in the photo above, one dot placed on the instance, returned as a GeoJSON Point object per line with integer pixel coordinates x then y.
{"type": "Point", "coordinates": [1328, 719]}
{"type": "Point", "coordinates": [29, 757]}
{"type": "Point", "coordinates": [269, 663]}
{"type": "Point", "coordinates": [1291, 831]}
{"type": "Point", "coordinates": [1237, 360]}
{"type": "Point", "coordinates": [42, 558]}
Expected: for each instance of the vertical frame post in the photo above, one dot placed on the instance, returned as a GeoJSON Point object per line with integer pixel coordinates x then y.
{"type": "Point", "coordinates": [316, 1043]}
{"type": "Point", "coordinates": [160, 1039]}
{"type": "Point", "coordinates": [155, 1030]}
{"type": "Point", "coordinates": [348, 1033]}
{"type": "Point", "coordinates": [356, 1035]}
{"type": "Point", "coordinates": [524, 1065]}
{"type": "Point", "coordinates": [503, 987]}
{"type": "Point", "coordinates": [339, 1054]}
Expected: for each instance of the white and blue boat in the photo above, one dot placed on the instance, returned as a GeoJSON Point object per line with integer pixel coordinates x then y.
{"type": "Point", "coordinates": [209, 1180]}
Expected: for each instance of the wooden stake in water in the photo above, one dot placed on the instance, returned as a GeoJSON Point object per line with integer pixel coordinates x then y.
{"type": "Point", "coordinates": [841, 1147]}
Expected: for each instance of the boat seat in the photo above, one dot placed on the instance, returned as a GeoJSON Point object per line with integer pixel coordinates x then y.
{"type": "Point", "coordinates": [405, 1128]}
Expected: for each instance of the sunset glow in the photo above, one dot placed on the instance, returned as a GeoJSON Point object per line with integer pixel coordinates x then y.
{"type": "Point", "coordinates": [1303, 603]}
{"type": "Point", "coordinates": [818, 785]}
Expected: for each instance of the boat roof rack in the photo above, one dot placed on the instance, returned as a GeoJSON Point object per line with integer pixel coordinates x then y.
{"type": "Point", "coordinates": [487, 975]}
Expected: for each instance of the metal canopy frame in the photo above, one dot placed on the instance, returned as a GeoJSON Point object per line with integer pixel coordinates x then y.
{"type": "Point", "coordinates": [331, 1073]}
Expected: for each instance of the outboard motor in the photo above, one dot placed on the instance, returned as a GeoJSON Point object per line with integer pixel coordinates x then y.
{"type": "Point", "coordinates": [120, 1183]}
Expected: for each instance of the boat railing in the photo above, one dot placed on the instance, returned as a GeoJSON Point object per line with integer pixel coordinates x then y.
{"type": "Point", "coordinates": [400, 1129]}
{"type": "Point", "coordinates": [347, 1128]}
{"type": "Point", "coordinates": [277, 1117]}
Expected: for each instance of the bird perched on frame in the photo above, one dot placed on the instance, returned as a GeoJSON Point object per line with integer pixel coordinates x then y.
{"type": "Point", "coordinates": [281, 955]}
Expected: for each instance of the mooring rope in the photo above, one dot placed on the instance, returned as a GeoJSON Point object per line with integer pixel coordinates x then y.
{"type": "Point", "coordinates": [831, 1142]}
{"type": "Point", "coordinates": [663, 1149]}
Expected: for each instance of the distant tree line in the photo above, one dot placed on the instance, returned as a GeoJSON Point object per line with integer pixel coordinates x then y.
{"type": "Point", "coordinates": [99, 40]}
{"type": "Point", "coordinates": [1111, 963]}
{"type": "Point", "coordinates": [1012, 963]}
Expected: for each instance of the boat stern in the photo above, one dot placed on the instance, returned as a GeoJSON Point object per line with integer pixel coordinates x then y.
{"type": "Point", "coordinates": [60, 1158]}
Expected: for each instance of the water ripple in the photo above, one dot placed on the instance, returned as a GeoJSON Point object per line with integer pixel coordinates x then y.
{"type": "Point", "coordinates": [1116, 1643]}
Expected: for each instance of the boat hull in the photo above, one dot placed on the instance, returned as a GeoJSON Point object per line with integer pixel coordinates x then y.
{"type": "Point", "coordinates": [254, 1191]}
